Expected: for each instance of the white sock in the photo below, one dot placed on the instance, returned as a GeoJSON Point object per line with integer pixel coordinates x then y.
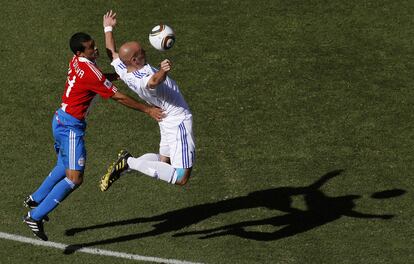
{"type": "Point", "coordinates": [150, 157]}
{"type": "Point", "coordinates": [150, 165]}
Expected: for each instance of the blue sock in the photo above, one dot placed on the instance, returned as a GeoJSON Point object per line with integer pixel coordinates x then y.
{"type": "Point", "coordinates": [55, 176]}
{"type": "Point", "coordinates": [180, 173]}
{"type": "Point", "coordinates": [61, 190]}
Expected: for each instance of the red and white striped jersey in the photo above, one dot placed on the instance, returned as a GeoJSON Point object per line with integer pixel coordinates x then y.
{"type": "Point", "coordinates": [85, 80]}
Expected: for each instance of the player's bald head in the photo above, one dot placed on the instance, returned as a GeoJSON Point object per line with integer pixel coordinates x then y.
{"type": "Point", "coordinates": [130, 50]}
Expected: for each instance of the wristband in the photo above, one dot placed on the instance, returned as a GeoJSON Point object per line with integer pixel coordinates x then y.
{"type": "Point", "coordinates": [107, 29]}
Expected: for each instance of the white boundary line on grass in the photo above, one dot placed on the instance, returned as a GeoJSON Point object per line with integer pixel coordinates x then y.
{"type": "Point", "coordinates": [94, 251]}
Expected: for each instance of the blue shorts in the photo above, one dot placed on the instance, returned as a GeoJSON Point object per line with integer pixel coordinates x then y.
{"type": "Point", "coordinates": [69, 143]}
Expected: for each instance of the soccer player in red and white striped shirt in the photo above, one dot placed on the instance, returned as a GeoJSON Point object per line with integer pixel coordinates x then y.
{"type": "Point", "coordinates": [84, 82]}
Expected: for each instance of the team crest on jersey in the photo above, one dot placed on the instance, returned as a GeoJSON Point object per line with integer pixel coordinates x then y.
{"type": "Point", "coordinates": [107, 84]}
{"type": "Point", "coordinates": [81, 161]}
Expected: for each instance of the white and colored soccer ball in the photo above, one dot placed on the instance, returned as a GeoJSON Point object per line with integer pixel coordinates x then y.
{"type": "Point", "coordinates": [162, 37]}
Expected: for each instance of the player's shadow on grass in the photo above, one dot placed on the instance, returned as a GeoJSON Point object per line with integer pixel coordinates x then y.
{"type": "Point", "coordinates": [320, 209]}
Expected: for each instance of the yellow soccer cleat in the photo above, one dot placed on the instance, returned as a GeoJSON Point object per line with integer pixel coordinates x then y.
{"type": "Point", "coordinates": [115, 170]}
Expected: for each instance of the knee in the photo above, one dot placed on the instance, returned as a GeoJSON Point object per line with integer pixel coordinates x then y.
{"type": "Point", "coordinates": [184, 178]}
{"type": "Point", "coordinates": [75, 176]}
{"type": "Point", "coordinates": [77, 181]}
{"type": "Point", "coordinates": [182, 181]}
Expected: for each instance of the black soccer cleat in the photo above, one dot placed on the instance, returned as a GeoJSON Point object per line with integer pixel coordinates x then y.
{"type": "Point", "coordinates": [36, 227]}
{"type": "Point", "coordinates": [30, 203]}
{"type": "Point", "coordinates": [115, 170]}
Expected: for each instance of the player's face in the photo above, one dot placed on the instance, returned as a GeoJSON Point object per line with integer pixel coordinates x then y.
{"type": "Point", "coordinates": [139, 57]}
{"type": "Point", "coordinates": [91, 51]}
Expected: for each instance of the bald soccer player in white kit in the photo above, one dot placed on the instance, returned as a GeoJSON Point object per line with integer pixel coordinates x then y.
{"type": "Point", "coordinates": [176, 155]}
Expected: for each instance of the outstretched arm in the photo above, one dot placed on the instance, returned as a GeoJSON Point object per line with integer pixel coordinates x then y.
{"type": "Point", "coordinates": [153, 112]}
{"type": "Point", "coordinates": [160, 75]}
{"type": "Point", "coordinates": [109, 22]}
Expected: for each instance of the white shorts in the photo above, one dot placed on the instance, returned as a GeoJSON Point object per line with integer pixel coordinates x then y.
{"type": "Point", "coordinates": [177, 141]}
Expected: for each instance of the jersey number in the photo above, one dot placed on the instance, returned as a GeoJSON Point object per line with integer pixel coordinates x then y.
{"type": "Point", "coordinates": [70, 85]}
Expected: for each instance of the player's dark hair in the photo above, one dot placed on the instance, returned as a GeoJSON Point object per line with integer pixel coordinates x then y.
{"type": "Point", "coordinates": [76, 42]}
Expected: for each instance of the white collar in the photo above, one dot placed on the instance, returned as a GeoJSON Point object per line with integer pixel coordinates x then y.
{"type": "Point", "coordinates": [83, 59]}
{"type": "Point", "coordinates": [142, 70]}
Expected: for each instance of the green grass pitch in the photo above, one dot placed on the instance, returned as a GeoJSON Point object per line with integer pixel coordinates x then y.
{"type": "Point", "coordinates": [303, 117]}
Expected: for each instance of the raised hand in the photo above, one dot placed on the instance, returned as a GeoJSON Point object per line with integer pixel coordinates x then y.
{"type": "Point", "coordinates": [165, 65]}
{"type": "Point", "coordinates": [109, 19]}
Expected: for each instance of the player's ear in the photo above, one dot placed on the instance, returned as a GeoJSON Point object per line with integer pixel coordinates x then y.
{"type": "Point", "coordinates": [78, 53]}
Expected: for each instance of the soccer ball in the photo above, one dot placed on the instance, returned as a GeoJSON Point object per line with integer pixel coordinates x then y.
{"type": "Point", "coordinates": [162, 37]}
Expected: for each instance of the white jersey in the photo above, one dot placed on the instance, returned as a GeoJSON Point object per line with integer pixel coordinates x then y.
{"type": "Point", "coordinates": [176, 128]}
{"type": "Point", "coordinates": [166, 95]}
